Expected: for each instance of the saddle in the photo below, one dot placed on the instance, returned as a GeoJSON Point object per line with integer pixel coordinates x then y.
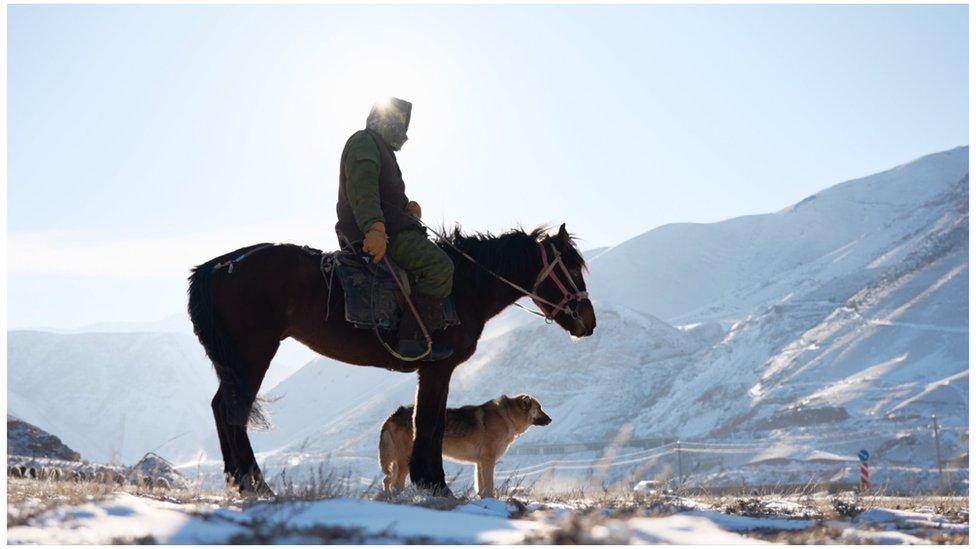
{"type": "Point", "coordinates": [373, 298]}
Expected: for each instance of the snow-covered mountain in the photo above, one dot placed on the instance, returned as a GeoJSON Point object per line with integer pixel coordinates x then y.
{"type": "Point", "coordinates": [840, 236]}
{"type": "Point", "coordinates": [114, 396]}
{"type": "Point", "coordinates": [854, 300]}
{"type": "Point", "coordinates": [290, 357]}
{"type": "Point", "coordinates": [837, 323]}
{"type": "Point", "coordinates": [841, 318]}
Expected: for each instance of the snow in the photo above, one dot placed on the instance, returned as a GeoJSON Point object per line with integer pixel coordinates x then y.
{"type": "Point", "coordinates": [863, 537]}
{"type": "Point", "coordinates": [407, 521]}
{"type": "Point", "coordinates": [902, 519]}
{"type": "Point", "coordinates": [691, 267]}
{"type": "Point", "coordinates": [122, 517]}
{"type": "Point", "coordinates": [682, 530]}
{"type": "Point", "coordinates": [127, 517]}
{"type": "Point", "coordinates": [740, 523]}
{"type": "Point", "coordinates": [836, 324]}
{"type": "Point", "coordinates": [487, 506]}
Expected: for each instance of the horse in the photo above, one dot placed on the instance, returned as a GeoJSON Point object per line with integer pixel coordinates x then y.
{"type": "Point", "coordinates": [244, 303]}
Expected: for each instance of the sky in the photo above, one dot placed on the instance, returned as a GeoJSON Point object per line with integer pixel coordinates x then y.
{"type": "Point", "coordinates": [143, 140]}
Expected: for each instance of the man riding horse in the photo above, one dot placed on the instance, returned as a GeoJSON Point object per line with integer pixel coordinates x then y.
{"type": "Point", "coordinates": [373, 209]}
{"type": "Point", "coordinates": [244, 303]}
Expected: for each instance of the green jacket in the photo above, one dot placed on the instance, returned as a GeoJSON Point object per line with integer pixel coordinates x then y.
{"type": "Point", "coordinates": [371, 188]}
{"type": "Point", "coordinates": [362, 163]}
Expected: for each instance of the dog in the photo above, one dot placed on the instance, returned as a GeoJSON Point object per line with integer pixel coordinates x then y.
{"type": "Point", "coordinates": [472, 434]}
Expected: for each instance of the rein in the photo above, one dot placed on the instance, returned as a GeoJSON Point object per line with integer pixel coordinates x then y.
{"type": "Point", "coordinates": [547, 272]}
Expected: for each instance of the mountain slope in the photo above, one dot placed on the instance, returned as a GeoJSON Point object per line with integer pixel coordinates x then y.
{"type": "Point", "coordinates": [338, 408]}
{"type": "Point", "coordinates": [846, 313]}
{"type": "Point", "coordinates": [24, 439]}
{"type": "Point", "coordinates": [864, 341]}
{"type": "Point", "coordinates": [114, 396]}
{"type": "Point", "coordinates": [838, 323]}
{"type": "Point", "coordinates": [688, 272]}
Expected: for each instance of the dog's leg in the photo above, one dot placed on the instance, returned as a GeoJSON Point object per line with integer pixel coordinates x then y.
{"type": "Point", "coordinates": [479, 479]}
{"type": "Point", "coordinates": [484, 470]}
{"type": "Point", "coordinates": [388, 457]}
{"type": "Point", "coordinates": [402, 468]}
{"type": "Point", "coordinates": [388, 472]}
{"type": "Point", "coordinates": [490, 478]}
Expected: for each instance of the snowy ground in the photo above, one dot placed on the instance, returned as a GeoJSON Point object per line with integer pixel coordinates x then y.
{"type": "Point", "coordinates": [115, 516]}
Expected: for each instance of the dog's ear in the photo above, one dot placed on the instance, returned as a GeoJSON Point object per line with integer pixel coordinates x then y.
{"type": "Point", "coordinates": [526, 402]}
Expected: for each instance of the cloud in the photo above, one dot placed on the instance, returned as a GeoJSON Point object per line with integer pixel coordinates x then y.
{"type": "Point", "coordinates": [88, 253]}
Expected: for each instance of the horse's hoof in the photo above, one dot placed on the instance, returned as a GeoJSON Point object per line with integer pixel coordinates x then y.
{"type": "Point", "coordinates": [255, 488]}
{"type": "Point", "coordinates": [261, 490]}
{"type": "Point", "coordinates": [259, 493]}
{"type": "Point", "coordinates": [437, 490]}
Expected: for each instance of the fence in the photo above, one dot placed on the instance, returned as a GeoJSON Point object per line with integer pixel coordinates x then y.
{"type": "Point", "coordinates": [699, 463]}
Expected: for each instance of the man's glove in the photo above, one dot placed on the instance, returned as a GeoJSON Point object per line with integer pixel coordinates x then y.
{"type": "Point", "coordinates": [374, 243]}
{"type": "Point", "coordinates": [413, 209]}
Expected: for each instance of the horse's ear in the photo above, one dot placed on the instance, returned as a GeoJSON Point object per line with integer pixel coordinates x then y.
{"type": "Point", "coordinates": [563, 235]}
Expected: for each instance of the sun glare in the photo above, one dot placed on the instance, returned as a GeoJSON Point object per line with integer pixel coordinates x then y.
{"type": "Point", "coordinates": [346, 87]}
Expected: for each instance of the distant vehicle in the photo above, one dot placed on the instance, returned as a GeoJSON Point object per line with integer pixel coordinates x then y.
{"type": "Point", "coordinates": [650, 487]}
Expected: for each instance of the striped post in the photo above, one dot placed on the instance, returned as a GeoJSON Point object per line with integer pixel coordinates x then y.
{"type": "Point", "coordinates": [865, 473]}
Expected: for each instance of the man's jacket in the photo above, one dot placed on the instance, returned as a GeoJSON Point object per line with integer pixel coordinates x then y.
{"type": "Point", "coordinates": [371, 188]}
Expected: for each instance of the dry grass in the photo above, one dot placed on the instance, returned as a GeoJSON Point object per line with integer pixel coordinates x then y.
{"type": "Point", "coordinates": [597, 514]}
{"type": "Point", "coordinates": [576, 516]}
{"type": "Point", "coordinates": [27, 498]}
{"type": "Point", "coordinates": [323, 482]}
{"type": "Point", "coordinates": [833, 534]}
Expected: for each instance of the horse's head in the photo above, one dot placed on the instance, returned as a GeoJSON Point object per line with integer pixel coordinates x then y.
{"type": "Point", "coordinates": [561, 283]}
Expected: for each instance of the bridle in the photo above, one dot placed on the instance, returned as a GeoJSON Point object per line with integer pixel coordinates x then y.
{"type": "Point", "coordinates": [549, 272]}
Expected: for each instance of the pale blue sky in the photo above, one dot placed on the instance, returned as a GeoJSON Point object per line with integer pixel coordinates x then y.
{"type": "Point", "coordinates": [144, 139]}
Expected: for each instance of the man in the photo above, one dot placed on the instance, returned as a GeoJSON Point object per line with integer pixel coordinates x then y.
{"type": "Point", "coordinates": [373, 208]}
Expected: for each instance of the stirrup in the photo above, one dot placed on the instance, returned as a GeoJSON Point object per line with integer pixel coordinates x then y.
{"type": "Point", "coordinates": [414, 347]}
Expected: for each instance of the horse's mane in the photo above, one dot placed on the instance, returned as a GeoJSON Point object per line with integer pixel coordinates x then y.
{"type": "Point", "coordinates": [506, 251]}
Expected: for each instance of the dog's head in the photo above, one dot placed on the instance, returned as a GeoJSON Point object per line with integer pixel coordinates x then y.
{"type": "Point", "coordinates": [529, 408]}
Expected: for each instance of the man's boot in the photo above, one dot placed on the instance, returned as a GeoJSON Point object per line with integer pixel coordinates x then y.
{"type": "Point", "coordinates": [411, 338]}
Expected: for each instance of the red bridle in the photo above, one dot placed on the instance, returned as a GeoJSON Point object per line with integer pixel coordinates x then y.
{"type": "Point", "coordinates": [548, 272]}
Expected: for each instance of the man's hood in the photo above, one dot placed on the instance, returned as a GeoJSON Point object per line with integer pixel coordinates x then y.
{"type": "Point", "coordinates": [390, 118]}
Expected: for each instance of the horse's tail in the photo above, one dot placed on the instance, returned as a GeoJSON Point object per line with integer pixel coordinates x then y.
{"type": "Point", "coordinates": [238, 398]}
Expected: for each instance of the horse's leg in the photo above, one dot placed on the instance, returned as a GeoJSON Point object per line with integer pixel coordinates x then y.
{"type": "Point", "coordinates": [220, 417]}
{"type": "Point", "coordinates": [256, 354]}
{"type": "Point", "coordinates": [426, 461]}
{"type": "Point", "coordinates": [246, 473]}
